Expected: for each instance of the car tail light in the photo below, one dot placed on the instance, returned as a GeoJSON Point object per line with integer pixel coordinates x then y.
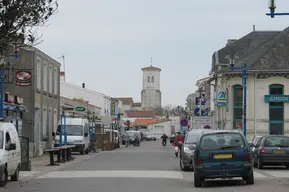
{"type": "Point", "coordinates": [198, 162]}
{"type": "Point", "coordinates": [211, 156]}
{"type": "Point", "coordinates": [248, 157]}
{"type": "Point", "coordinates": [262, 151]}
{"type": "Point", "coordinates": [234, 155]}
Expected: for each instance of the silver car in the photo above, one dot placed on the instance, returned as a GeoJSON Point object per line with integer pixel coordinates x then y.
{"type": "Point", "coordinates": [187, 150]}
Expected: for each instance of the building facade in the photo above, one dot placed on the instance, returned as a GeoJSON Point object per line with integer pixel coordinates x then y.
{"type": "Point", "coordinates": [267, 59]}
{"type": "Point", "coordinates": [36, 80]}
{"type": "Point", "coordinates": [151, 95]}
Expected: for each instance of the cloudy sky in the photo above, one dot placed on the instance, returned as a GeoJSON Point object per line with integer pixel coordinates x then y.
{"type": "Point", "coordinates": [107, 42]}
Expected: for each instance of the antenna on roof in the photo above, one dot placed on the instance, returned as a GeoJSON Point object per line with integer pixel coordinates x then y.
{"type": "Point", "coordinates": [151, 61]}
{"type": "Point", "coordinates": [254, 27]}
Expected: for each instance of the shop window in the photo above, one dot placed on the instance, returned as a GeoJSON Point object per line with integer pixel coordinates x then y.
{"type": "Point", "coordinates": [276, 111]}
{"type": "Point", "coordinates": [149, 80]}
{"type": "Point", "coordinates": [237, 106]}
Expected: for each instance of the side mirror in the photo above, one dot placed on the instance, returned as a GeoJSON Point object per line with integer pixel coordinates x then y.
{"type": "Point", "coordinates": [85, 134]}
{"type": "Point", "coordinates": [251, 145]}
{"type": "Point", "coordinates": [12, 146]}
{"type": "Point", "coordinates": [53, 134]}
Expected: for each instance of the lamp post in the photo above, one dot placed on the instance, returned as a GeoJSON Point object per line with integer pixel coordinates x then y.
{"type": "Point", "coordinates": [243, 69]}
{"type": "Point", "coordinates": [272, 8]}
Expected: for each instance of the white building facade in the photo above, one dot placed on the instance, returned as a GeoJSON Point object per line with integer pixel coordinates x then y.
{"type": "Point", "coordinates": [267, 95]}
{"type": "Point", "coordinates": [151, 95]}
{"type": "Point", "coordinates": [101, 101]}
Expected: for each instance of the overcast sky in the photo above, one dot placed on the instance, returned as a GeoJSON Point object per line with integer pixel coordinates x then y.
{"type": "Point", "coordinates": [107, 42]}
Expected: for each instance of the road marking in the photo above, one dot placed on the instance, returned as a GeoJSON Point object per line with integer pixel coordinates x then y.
{"type": "Point", "coordinates": [278, 174]}
{"type": "Point", "coordinates": [114, 173]}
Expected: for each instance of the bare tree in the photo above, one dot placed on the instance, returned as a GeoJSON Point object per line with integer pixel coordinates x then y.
{"type": "Point", "coordinates": [19, 21]}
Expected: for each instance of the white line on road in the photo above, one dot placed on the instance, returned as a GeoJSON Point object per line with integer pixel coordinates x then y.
{"type": "Point", "coordinates": [114, 173]}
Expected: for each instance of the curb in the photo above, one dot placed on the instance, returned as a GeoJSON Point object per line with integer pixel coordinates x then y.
{"type": "Point", "coordinates": [57, 168]}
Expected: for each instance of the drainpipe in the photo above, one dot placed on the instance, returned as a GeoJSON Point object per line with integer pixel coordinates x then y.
{"type": "Point", "coordinates": [35, 143]}
{"type": "Point", "coordinates": [255, 132]}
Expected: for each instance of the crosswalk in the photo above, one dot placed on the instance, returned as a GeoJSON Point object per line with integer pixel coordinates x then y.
{"type": "Point", "coordinates": [258, 174]}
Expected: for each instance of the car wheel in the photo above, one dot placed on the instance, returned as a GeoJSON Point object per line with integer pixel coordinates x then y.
{"type": "Point", "coordinates": [86, 151]}
{"type": "Point", "coordinates": [249, 179]}
{"type": "Point", "coordinates": [182, 166]}
{"type": "Point", "coordinates": [15, 177]}
{"type": "Point", "coordinates": [197, 180]}
{"type": "Point", "coordinates": [3, 178]}
{"type": "Point", "coordinates": [260, 163]}
{"type": "Point", "coordinates": [82, 151]}
{"type": "Point", "coordinates": [287, 166]}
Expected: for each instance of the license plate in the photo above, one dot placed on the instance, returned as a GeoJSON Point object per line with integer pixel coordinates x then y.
{"type": "Point", "coordinates": [223, 156]}
{"type": "Point", "coordinates": [279, 151]}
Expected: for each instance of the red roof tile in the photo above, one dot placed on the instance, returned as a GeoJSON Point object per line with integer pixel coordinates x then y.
{"type": "Point", "coordinates": [126, 100]}
{"type": "Point", "coordinates": [132, 113]}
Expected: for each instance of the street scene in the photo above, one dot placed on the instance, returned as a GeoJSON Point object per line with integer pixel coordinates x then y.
{"type": "Point", "coordinates": [127, 96]}
{"type": "Point", "coordinates": [131, 169]}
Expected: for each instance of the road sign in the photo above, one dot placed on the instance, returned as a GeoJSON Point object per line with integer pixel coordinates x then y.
{"type": "Point", "coordinates": [80, 109]}
{"type": "Point", "coordinates": [184, 122]}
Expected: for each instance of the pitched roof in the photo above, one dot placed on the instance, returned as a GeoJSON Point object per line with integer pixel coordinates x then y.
{"type": "Point", "coordinates": [151, 68]}
{"type": "Point", "coordinates": [149, 121]}
{"type": "Point", "coordinates": [272, 55]}
{"type": "Point", "coordinates": [133, 113]}
{"type": "Point", "coordinates": [126, 100]}
{"type": "Point", "coordinates": [243, 46]}
{"type": "Point", "coordinates": [144, 121]}
{"type": "Point", "coordinates": [136, 105]}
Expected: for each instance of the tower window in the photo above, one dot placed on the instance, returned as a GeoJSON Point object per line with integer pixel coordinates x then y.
{"type": "Point", "coordinates": [153, 79]}
{"type": "Point", "coordinates": [149, 79]}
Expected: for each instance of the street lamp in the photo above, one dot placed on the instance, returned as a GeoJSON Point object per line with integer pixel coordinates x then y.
{"type": "Point", "coordinates": [272, 7]}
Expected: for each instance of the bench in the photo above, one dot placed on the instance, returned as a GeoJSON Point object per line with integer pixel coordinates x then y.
{"type": "Point", "coordinates": [51, 155]}
{"type": "Point", "coordinates": [64, 153]}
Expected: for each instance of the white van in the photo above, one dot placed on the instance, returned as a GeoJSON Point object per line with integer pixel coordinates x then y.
{"type": "Point", "coordinates": [10, 153]}
{"type": "Point", "coordinates": [77, 130]}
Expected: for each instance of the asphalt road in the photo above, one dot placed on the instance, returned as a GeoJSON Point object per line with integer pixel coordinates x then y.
{"type": "Point", "coordinates": [148, 168]}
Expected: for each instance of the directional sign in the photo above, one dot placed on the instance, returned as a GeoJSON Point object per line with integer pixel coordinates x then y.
{"type": "Point", "coordinates": [184, 122]}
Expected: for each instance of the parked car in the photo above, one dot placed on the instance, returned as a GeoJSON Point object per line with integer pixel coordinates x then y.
{"type": "Point", "coordinates": [10, 156]}
{"type": "Point", "coordinates": [150, 137]}
{"type": "Point", "coordinates": [172, 138]}
{"type": "Point", "coordinates": [187, 150]}
{"type": "Point", "coordinates": [219, 154]}
{"type": "Point", "coordinates": [271, 150]}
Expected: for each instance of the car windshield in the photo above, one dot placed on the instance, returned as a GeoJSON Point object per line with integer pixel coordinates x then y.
{"type": "Point", "coordinates": [71, 130]}
{"type": "Point", "coordinates": [1, 139]}
{"type": "Point", "coordinates": [221, 141]}
{"type": "Point", "coordinates": [192, 137]}
{"type": "Point", "coordinates": [131, 134]}
{"type": "Point", "coordinates": [276, 141]}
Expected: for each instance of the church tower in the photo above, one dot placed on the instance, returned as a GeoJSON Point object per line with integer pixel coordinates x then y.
{"type": "Point", "coordinates": [151, 95]}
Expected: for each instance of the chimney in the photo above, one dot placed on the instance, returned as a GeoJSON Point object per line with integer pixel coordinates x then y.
{"type": "Point", "coordinates": [231, 41]}
{"type": "Point", "coordinates": [83, 85]}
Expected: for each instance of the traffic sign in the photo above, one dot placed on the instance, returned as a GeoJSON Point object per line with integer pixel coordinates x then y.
{"type": "Point", "coordinates": [184, 122]}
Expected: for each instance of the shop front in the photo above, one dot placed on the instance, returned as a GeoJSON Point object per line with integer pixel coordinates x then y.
{"type": "Point", "coordinates": [13, 109]}
{"type": "Point", "coordinates": [276, 101]}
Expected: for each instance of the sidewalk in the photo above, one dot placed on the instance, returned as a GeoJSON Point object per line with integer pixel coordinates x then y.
{"type": "Point", "coordinates": [39, 165]}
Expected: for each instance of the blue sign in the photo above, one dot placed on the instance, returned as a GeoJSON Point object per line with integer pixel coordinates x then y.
{"type": "Point", "coordinates": [276, 98]}
{"type": "Point", "coordinates": [184, 122]}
